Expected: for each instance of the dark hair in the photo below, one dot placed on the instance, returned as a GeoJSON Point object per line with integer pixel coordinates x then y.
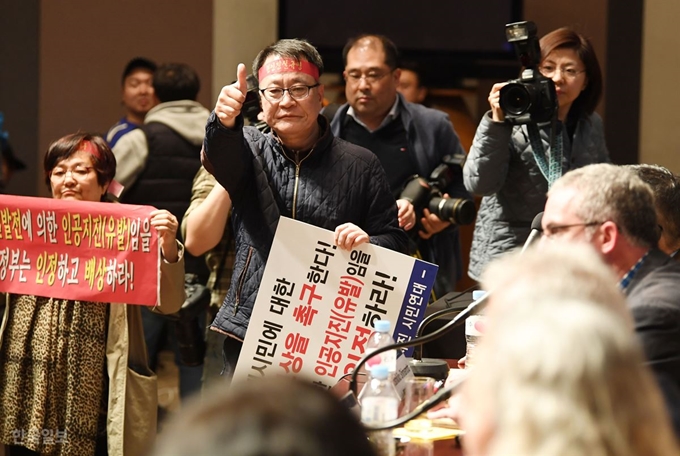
{"type": "Point", "coordinates": [104, 163]}
{"type": "Point", "coordinates": [566, 38]}
{"type": "Point", "coordinates": [413, 66]}
{"type": "Point", "coordinates": [176, 81]}
{"type": "Point", "coordinates": [666, 188]}
{"type": "Point", "coordinates": [295, 48]}
{"type": "Point", "coordinates": [12, 161]}
{"type": "Point", "coordinates": [272, 416]}
{"type": "Point", "coordinates": [392, 59]}
{"type": "Point", "coordinates": [136, 64]}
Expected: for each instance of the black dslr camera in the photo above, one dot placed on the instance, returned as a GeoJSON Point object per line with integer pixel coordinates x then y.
{"type": "Point", "coordinates": [424, 193]}
{"type": "Point", "coordinates": [532, 97]}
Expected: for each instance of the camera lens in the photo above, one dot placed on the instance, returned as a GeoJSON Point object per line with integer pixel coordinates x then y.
{"type": "Point", "coordinates": [515, 99]}
{"type": "Point", "coordinates": [455, 210]}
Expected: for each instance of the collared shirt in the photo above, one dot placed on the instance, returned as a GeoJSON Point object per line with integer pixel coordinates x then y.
{"type": "Point", "coordinates": [625, 281]}
{"type": "Point", "coordinates": [394, 112]}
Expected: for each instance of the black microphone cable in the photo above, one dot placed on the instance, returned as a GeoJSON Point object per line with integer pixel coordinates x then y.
{"type": "Point", "coordinates": [416, 340]}
{"type": "Point", "coordinates": [458, 319]}
{"type": "Point", "coordinates": [449, 300]}
{"type": "Point", "coordinates": [534, 235]}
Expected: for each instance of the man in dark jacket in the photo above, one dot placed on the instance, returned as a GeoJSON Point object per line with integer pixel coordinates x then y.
{"type": "Point", "coordinates": [611, 208]}
{"type": "Point", "coordinates": [299, 170]}
{"type": "Point", "coordinates": [408, 139]}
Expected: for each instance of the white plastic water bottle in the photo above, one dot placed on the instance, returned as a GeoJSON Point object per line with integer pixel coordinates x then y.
{"type": "Point", "coordinates": [474, 328]}
{"type": "Point", "coordinates": [380, 338]}
{"type": "Point", "coordinates": [379, 404]}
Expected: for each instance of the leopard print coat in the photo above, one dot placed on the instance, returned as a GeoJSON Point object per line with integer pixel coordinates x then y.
{"type": "Point", "coordinates": [52, 370]}
{"type": "Point", "coordinates": [115, 348]}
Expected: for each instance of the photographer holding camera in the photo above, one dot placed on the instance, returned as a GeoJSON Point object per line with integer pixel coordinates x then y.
{"type": "Point", "coordinates": [408, 139]}
{"type": "Point", "coordinates": [539, 127]}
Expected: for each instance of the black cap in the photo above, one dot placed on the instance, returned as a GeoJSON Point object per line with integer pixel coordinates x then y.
{"type": "Point", "coordinates": [136, 64]}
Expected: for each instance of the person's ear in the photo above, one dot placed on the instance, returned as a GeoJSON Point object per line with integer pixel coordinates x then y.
{"type": "Point", "coordinates": [609, 236]}
{"type": "Point", "coordinates": [397, 75]}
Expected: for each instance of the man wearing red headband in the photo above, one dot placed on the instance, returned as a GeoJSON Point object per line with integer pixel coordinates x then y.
{"type": "Point", "coordinates": [298, 170]}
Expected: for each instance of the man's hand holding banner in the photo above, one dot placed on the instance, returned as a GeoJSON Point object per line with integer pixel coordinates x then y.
{"type": "Point", "coordinates": [316, 304]}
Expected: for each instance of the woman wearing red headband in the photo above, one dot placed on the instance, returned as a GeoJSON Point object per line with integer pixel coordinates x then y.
{"type": "Point", "coordinates": [68, 366]}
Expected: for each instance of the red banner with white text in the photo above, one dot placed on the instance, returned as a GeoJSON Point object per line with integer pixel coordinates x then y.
{"type": "Point", "coordinates": [101, 252]}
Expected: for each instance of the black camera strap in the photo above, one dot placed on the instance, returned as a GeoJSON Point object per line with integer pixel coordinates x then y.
{"type": "Point", "coordinates": [550, 164]}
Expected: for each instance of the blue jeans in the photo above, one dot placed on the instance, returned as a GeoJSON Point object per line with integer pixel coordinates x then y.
{"type": "Point", "coordinates": [155, 327]}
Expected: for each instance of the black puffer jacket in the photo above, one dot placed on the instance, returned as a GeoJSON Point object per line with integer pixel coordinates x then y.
{"type": "Point", "coordinates": [336, 183]}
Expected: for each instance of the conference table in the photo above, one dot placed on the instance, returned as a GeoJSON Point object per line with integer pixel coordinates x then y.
{"type": "Point", "coordinates": [444, 447]}
{"type": "Point", "coordinates": [447, 448]}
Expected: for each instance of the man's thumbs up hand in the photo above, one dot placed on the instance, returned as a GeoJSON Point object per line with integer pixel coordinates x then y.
{"type": "Point", "coordinates": [231, 98]}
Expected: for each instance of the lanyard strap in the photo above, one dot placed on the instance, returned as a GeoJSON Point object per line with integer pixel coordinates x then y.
{"type": "Point", "coordinates": [551, 167]}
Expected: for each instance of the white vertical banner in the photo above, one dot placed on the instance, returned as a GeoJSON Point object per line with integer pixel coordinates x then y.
{"type": "Point", "coordinates": [317, 303]}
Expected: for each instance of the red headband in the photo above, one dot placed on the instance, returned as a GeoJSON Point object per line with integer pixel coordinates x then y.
{"type": "Point", "coordinates": [88, 147]}
{"type": "Point", "coordinates": [115, 188]}
{"type": "Point", "coordinates": [288, 65]}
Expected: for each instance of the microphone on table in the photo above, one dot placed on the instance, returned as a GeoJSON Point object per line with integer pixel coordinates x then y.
{"type": "Point", "coordinates": [438, 368]}
{"type": "Point", "coordinates": [424, 367]}
{"type": "Point", "coordinates": [449, 298]}
{"type": "Point", "coordinates": [418, 340]}
{"type": "Point", "coordinates": [429, 366]}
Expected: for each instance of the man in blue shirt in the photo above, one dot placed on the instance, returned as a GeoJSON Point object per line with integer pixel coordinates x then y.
{"type": "Point", "coordinates": [611, 209]}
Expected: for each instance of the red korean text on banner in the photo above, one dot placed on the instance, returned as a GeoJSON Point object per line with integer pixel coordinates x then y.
{"type": "Point", "coordinates": [101, 252]}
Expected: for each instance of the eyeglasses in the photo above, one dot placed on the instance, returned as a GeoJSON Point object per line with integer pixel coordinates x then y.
{"type": "Point", "coordinates": [568, 73]}
{"type": "Point", "coordinates": [78, 173]}
{"type": "Point", "coordinates": [552, 230]}
{"type": "Point", "coordinates": [297, 92]}
{"type": "Point", "coordinates": [371, 77]}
